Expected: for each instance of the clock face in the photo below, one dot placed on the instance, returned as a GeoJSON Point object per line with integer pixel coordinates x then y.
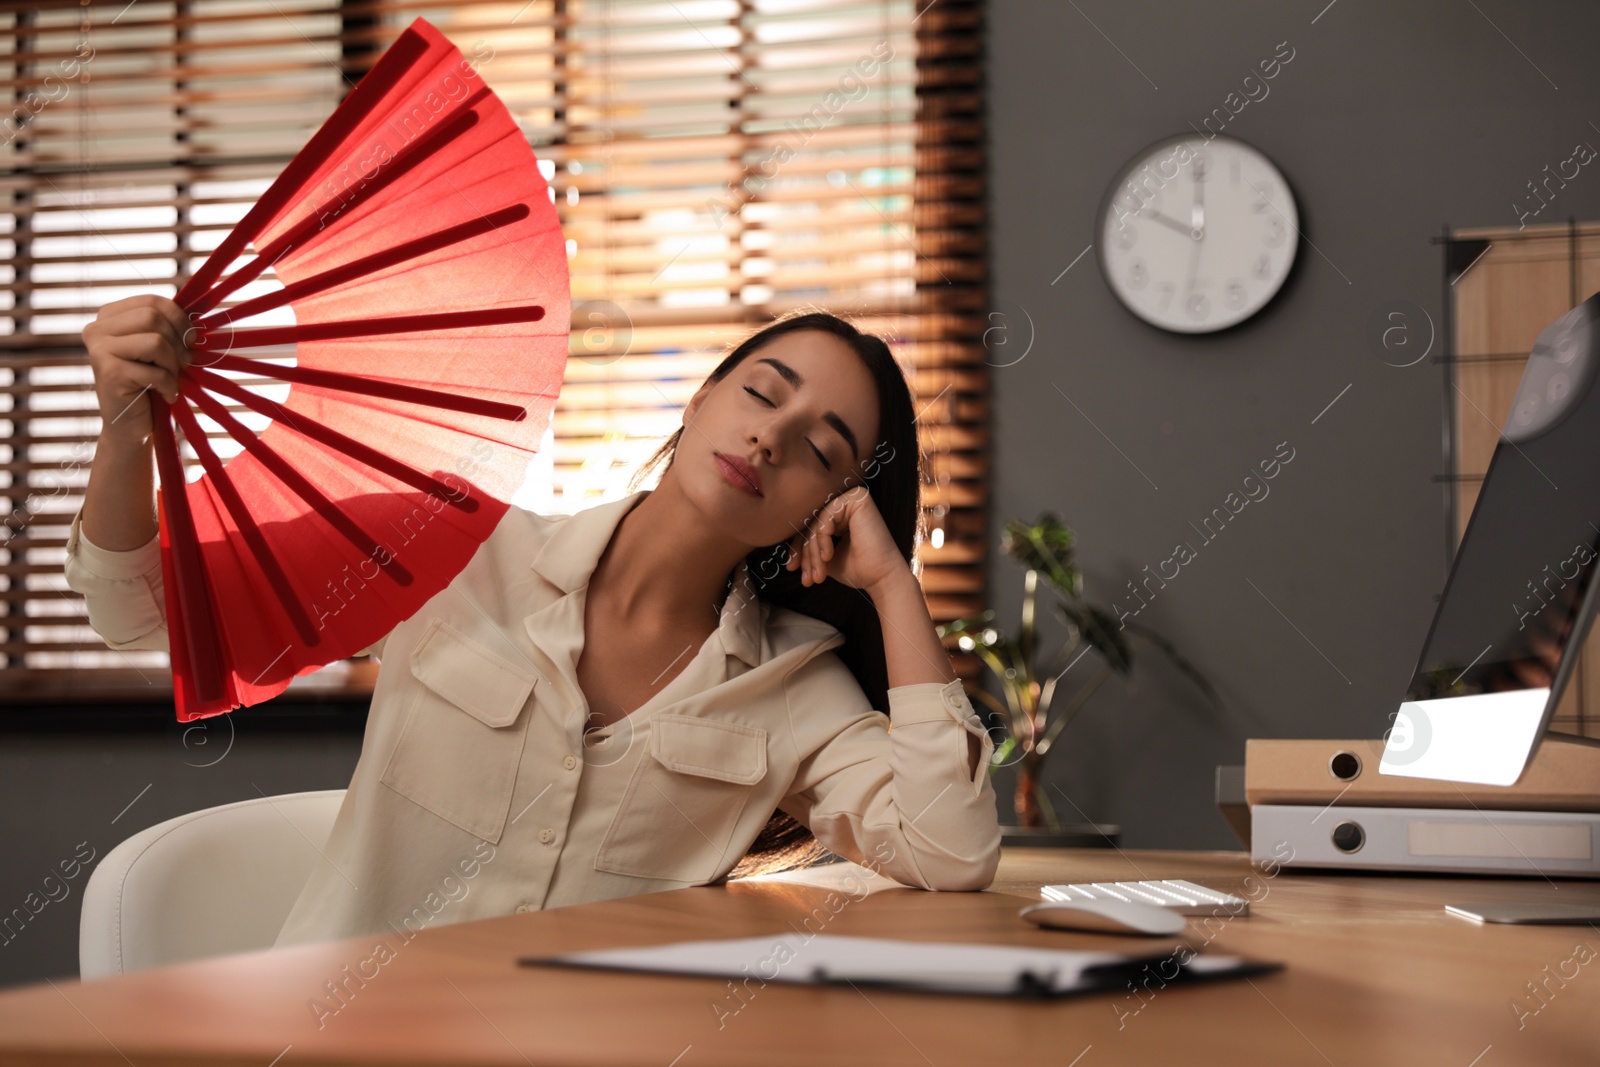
{"type": "Point", "coordinates": [1198, 234]}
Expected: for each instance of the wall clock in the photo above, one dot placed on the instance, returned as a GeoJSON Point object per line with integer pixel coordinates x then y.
{"type": "Point", "coordinates": [1198, 234]}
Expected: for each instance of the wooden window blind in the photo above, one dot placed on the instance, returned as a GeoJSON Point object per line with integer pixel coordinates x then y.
{"type": "Point", "coordinates": [715, 163]}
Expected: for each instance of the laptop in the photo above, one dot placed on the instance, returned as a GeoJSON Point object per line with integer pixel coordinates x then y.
{"type": "Point", "coordinates": [1517, 605]}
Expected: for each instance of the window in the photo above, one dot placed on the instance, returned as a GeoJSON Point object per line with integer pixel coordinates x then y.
{"type": "Point", "coordinates": [715, 163]}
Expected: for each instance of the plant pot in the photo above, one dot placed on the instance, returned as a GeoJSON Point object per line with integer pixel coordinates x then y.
{"type": "Point", "coordinates": [1069, 835]}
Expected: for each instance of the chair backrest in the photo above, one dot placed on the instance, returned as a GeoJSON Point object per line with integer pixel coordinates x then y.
{"type": "Point", "coordinates": [207, 883]}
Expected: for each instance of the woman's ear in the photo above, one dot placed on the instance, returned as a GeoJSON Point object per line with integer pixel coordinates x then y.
{"type": "Point", "coordinates": [694, 401]}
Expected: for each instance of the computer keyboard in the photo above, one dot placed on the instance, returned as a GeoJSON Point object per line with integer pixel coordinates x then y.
{"type": "Point", "coordinates": [1183, 897]}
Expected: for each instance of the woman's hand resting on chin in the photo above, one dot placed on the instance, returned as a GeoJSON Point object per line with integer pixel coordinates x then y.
{"type": "Point", "coordinates": [865, 556]}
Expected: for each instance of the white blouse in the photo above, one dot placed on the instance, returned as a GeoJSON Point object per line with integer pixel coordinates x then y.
{"type": "Point", "coordinates": [479, 790]}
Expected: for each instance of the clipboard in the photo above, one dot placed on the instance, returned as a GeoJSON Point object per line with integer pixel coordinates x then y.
{"type": "Point", "coordinates": [919, 966]}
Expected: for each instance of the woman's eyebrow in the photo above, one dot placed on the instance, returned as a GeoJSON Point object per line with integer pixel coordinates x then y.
{"type": "Point", "coordinates": [832, 418]}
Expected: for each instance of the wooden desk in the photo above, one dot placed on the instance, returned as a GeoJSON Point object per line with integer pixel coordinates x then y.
{"type": "Point", "coordinates": [1377, 974]}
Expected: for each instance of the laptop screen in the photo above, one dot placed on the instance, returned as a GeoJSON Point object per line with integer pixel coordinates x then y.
{"type": "Point", "coordinates": [1513, 599]}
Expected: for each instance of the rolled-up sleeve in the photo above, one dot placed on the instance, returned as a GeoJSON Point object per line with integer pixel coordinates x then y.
{"type": "Point", "coordinates": [123, 594]}
{"type": "Point", "coordinates": [122, 591]}
{"type": "Point", "coordinates": [895, 794]}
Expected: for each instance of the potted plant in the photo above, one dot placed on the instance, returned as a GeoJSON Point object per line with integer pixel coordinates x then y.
{"type": "Point", "coordinates": [1035, 711]}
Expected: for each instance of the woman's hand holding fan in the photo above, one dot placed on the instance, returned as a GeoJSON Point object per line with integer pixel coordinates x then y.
{"type": "Point", "coordinates": [135, 345]}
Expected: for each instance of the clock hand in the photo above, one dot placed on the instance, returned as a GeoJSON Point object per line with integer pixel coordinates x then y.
{"type": "Point", "coordinates": [1198, 212]}
{"type": "Point", "coordinates": [1172, 223]}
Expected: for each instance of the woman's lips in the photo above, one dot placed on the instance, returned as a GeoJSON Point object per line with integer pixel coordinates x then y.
{"type": "Point", "coordinates": [736, 476]}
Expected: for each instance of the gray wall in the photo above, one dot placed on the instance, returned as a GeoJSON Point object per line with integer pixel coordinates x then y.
{"type": "Point", "coordinates": [1309, 610]}
{"type": "Point", "coordinates": [84, 784]}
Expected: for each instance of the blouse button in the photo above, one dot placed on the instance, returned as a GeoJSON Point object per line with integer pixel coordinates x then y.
{"type": "Point", "coordinates": [569, 762]}
{"type": "Point", "coordinates": [547, 835]}
{"type": "Point", "coordinates": [523, 907]}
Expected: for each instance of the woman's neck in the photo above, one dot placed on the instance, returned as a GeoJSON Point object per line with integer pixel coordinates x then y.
{"type": "Point", "coordinates": [665, 562]}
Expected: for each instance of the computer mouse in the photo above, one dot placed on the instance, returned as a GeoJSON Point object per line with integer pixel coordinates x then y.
{"type": "Point", "coordinates": [1105, 917]}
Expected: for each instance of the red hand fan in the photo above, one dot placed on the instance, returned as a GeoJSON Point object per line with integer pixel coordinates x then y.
{"type": "Point", "coordinates": [424, 266]}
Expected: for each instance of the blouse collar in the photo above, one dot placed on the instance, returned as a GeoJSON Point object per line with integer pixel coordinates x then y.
{"type": "Point", "coordinates": [575, 543]}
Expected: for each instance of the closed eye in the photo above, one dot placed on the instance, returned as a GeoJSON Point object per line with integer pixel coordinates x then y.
{"type": "Point", "coordinates": [825, 464]}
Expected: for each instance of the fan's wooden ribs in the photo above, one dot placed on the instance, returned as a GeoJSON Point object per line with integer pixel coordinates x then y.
{"type": "Point", "coordinates": [197, 647]}
{"type": "Point", "coordinates": [357, 383]}
{"type": "Point", "coordinates": [249, 529]}
{"type": "Point", "coordinates": [372, 90]}
{"type": "Point", "coordinates": [332, 438]}
{"type": "Point", "coordinates": [298, 484]}
{"type": "Point", "coordinates": [407, 158]}
{"type": "Point", "coordinates": [360, 268]}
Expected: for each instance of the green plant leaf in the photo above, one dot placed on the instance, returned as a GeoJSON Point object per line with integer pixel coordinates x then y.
{"type": "Point", "coordinates": [1100, 629]}
{"type": "Point", "coordinates": [1046, 546]}
{"type": "Point", "coordinates": [1047, 549]}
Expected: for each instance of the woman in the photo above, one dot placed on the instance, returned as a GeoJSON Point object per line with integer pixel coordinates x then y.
{"type": "Point", "coordinates": [634, 697]}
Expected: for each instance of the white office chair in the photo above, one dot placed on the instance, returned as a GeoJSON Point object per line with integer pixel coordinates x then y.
{"type": "Point", "coordinates": [207, 883]}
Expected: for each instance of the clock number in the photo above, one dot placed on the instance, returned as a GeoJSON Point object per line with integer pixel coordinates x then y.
{"type": "Point", "coordinates": [1198, 306]}
{"type": "Point", "coordinates": [1265, 203]}
{"type": "Point", "coordinates": [1263, 267]}
{"type": "Point", "coordinates": [1126, 235]}
{"type": "Point", "coordinates": [1138, 277]}
{"type": "Point", "coordinates": [1235, 294]}
{"type": "Point", "coordinates": [1275, 231]}
{"type": "Point", "coordinates": [1166, 289]}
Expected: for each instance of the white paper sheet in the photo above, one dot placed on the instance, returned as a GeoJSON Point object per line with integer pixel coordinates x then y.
{"type": "Point", "coordinates": [930, 965]}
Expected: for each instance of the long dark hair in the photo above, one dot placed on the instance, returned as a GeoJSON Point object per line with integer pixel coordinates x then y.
{"type": "Point", "coordinates": [896, 490]}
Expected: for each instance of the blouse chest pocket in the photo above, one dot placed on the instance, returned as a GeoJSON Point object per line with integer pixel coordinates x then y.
{"type": "Point", "coordinates": [461, 743]}
{"type": "Point", "coordinates": [678, 813]}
